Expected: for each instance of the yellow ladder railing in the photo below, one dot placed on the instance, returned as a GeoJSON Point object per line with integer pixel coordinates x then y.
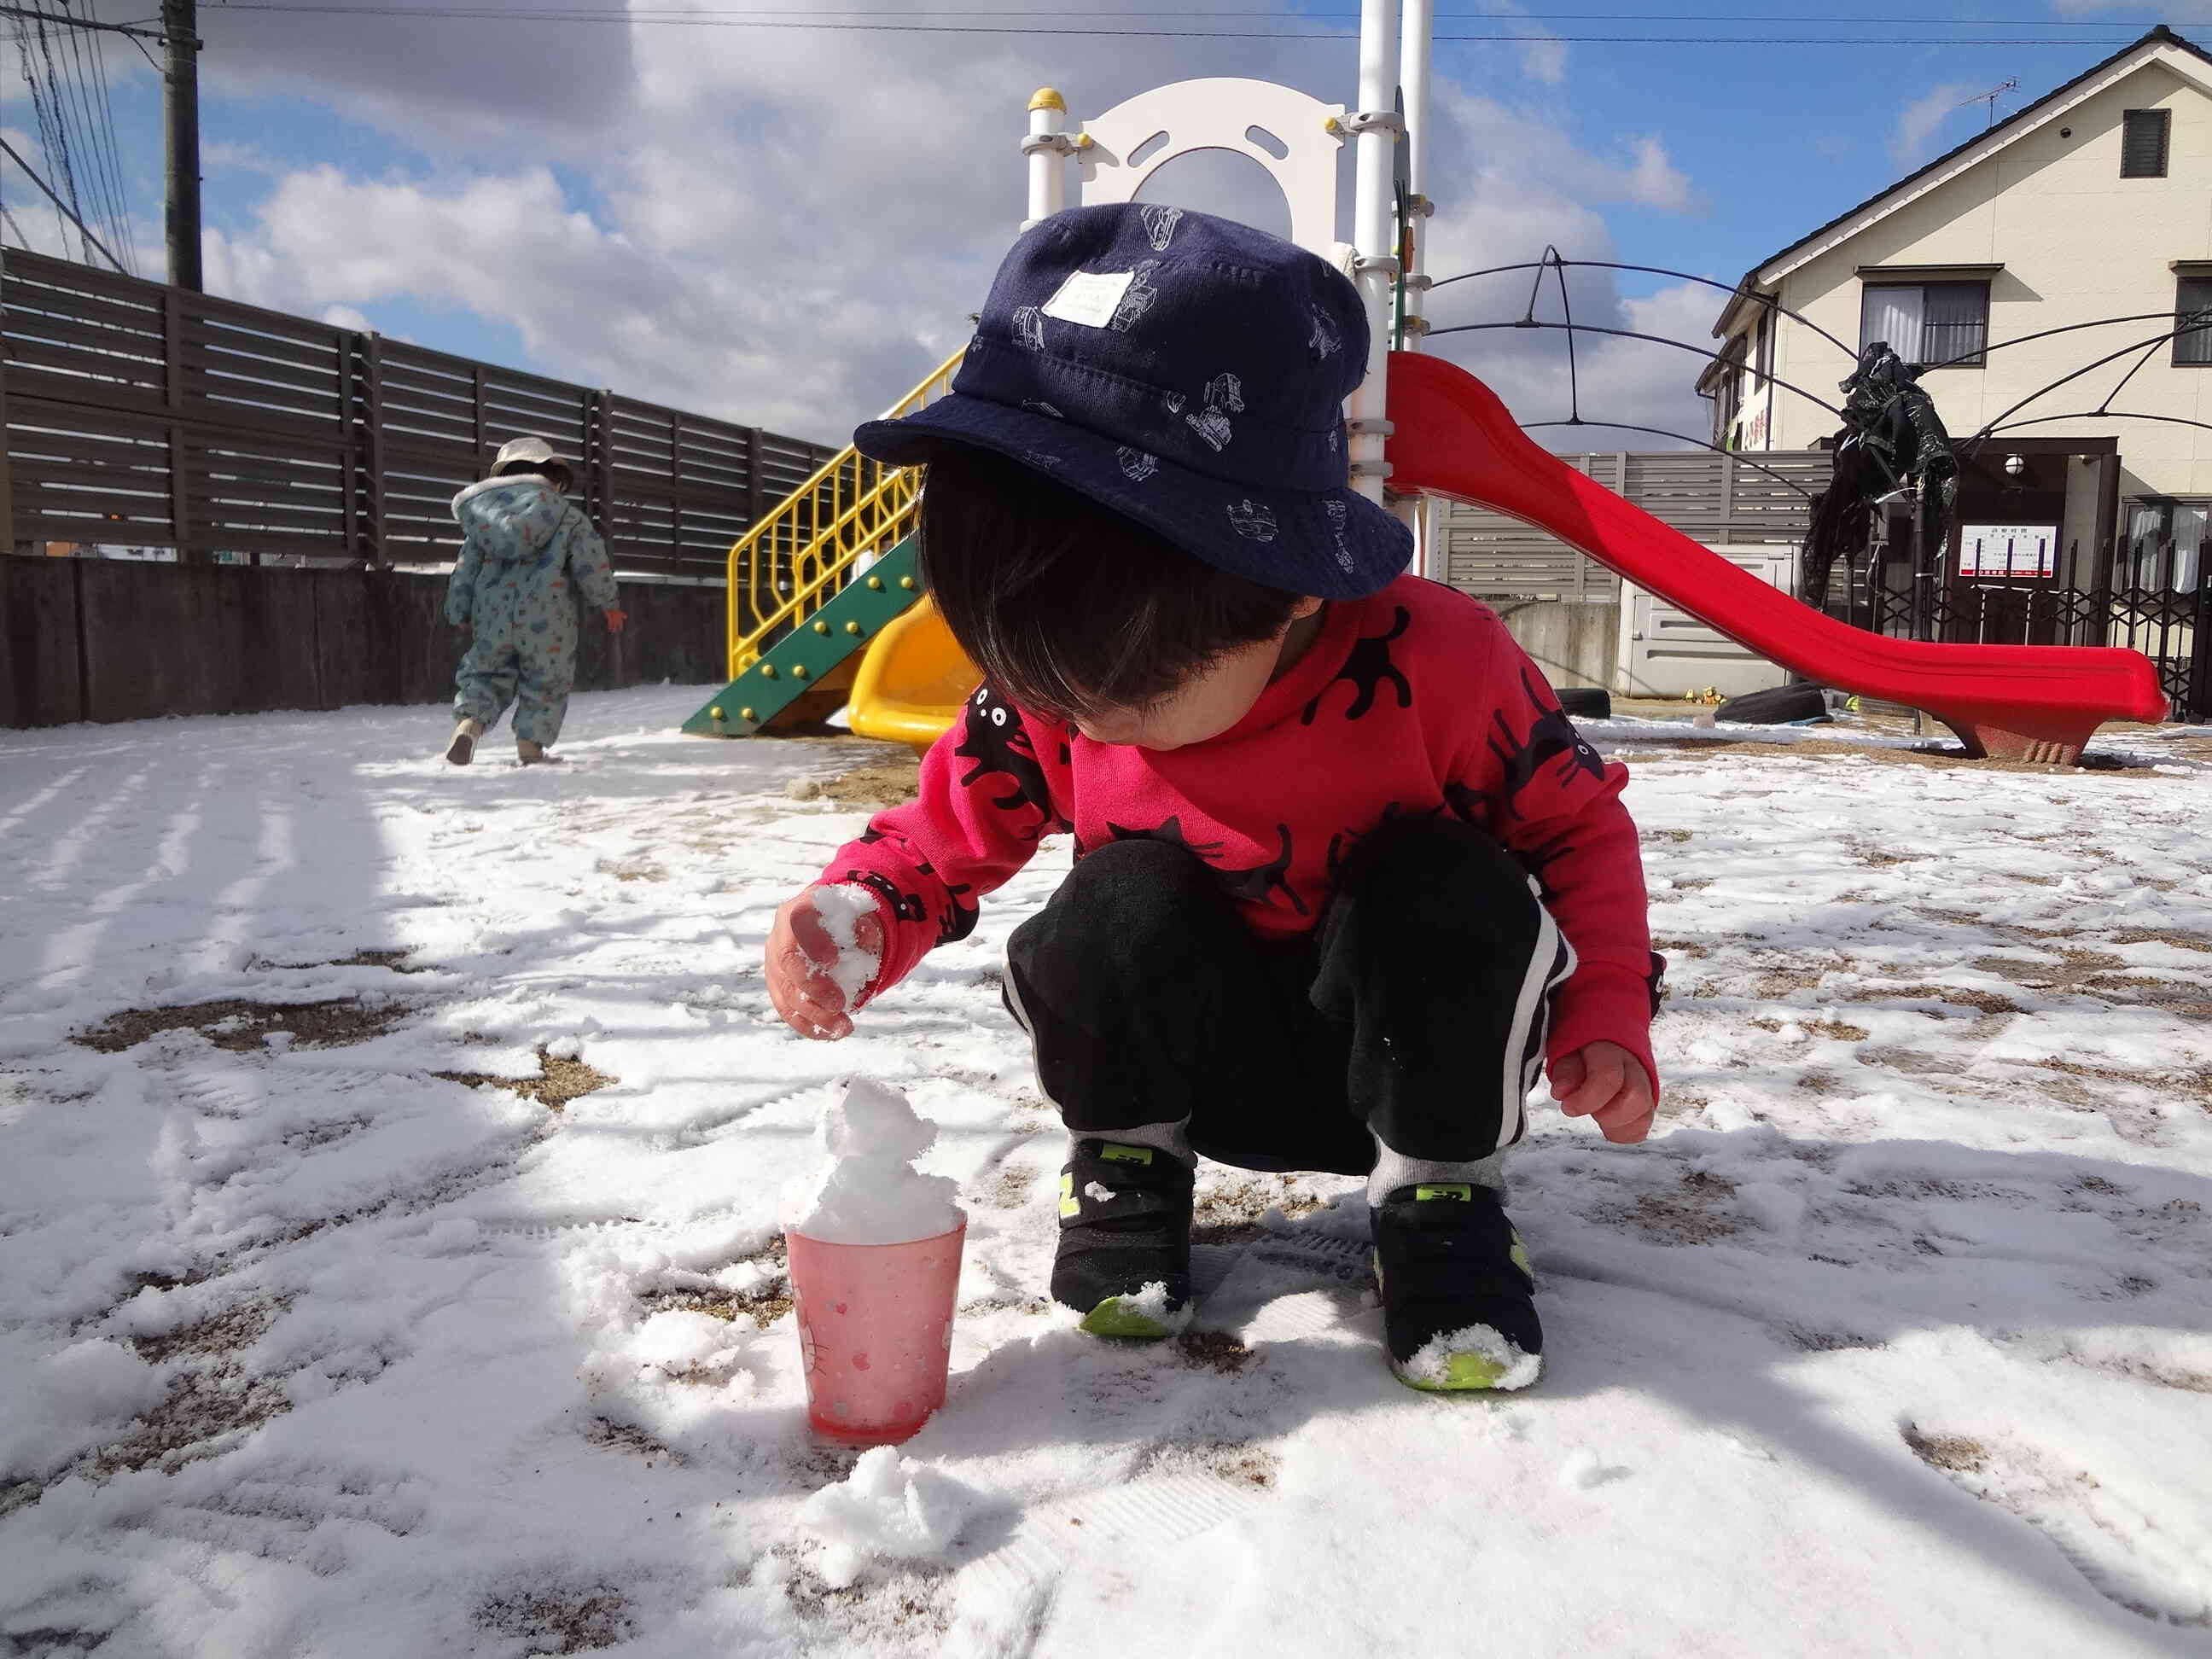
{"type": "Point", "coordinates": [795, 560]}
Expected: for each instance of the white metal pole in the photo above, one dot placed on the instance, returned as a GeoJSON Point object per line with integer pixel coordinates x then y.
{"type": "Point", "coordinates": [1417, 29]}
{"type": "Point", "coordinates": [1047, 151]}
{"type": "Point", "coordinates": [1374, 123]}
{"type": "Point", "coordinates": [1417, 32]}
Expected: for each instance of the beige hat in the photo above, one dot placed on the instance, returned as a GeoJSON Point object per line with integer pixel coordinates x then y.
{"type": "Point", "coordinates": [535, 452]}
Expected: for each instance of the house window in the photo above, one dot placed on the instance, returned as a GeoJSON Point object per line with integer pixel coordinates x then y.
{"type": "Point", "coordinates": [2143, 142]}
{"type": "Point", "coordinates": [1727, 396]}
{"type": "Point", "coordinates": [2167, 544]}
{"type": "Point", "coordinates": [2193, 303]}
{"type": "Point", "coordinates": [1930, 324]}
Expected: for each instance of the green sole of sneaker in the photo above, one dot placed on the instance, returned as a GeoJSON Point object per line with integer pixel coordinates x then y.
{"type": "Point", "coordinates": [1110, 1318]}
{"type": "Point", "coordinates": [1464, 1373]}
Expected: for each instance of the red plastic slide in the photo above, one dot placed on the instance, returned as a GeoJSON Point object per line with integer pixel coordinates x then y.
{"type": "Point", "coordinates": [1453, 437]}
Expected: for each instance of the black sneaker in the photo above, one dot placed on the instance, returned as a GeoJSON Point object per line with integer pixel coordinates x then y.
{"type": "Point", "coordinates": [1124, 1257]}
{"type": "Point", "coordinates": [1459, 1309]}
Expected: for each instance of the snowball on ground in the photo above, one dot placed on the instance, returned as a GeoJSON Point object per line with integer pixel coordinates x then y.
{"type": "Point", "coordinates": [867, 1191]}
{"type": "Point", "coordinates": [889, 1507]}
{"type": "Point", "coordinates": [841, 908]}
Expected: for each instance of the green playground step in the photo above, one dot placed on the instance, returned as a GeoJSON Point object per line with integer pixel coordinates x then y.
{"type": "Point", "coordinates": [798, 662]}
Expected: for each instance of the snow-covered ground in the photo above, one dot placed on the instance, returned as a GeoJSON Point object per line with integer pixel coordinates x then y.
{"type": "Point", "coordinates": [1897, 1338]}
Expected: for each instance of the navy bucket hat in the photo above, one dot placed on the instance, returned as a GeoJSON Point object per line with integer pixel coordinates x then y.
{"type": "Point", "coordinates": [1186, 371]}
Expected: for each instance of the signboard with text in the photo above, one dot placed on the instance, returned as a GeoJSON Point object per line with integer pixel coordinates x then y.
{"type": "Point", "coordinates": [2007, 550]}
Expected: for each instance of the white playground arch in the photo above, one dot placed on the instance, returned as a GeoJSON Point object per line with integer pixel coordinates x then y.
{"type": "Point", "coordinates": [1298, 141]}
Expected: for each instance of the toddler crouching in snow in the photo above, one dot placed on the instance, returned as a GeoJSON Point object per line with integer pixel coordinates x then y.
{"type": "Point", "coordinates": [1346, 874]}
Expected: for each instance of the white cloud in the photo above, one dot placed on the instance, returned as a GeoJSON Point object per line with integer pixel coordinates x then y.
{"type": "Point", "coordinates": [1655, 182]}
{"type": "Point", "coordinates": [1920, 119]}
{"type": "Point", "coordinates": [789, 227]}
{"type": "Point", "coordinates": [1529, 189]}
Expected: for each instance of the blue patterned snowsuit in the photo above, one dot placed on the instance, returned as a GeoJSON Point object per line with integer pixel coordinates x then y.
{"type": "Point", "coordinates": [525, 541]}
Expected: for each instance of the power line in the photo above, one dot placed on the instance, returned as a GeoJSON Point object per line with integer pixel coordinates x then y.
{"type": "Point", "coordinates": [595, 12]}
{"type": "Point", "coordinates": [696, 19]}
{"type": "Point", "coordinates": [115, 149]}
{"type": "Point", "coordinates": [31, 173]}
{"type": "Point", "coordinates": [97, 141]}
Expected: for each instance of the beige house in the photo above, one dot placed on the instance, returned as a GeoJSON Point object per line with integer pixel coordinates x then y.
{"type": "Point", "coordinates": [2094, 203]}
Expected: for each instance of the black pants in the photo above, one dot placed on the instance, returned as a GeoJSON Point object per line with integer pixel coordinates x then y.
{"type": "Point", "coordinates": [1417, 1010]}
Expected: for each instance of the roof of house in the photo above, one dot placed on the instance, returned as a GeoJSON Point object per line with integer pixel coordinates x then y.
{"type": "Point", "coordinates": [2016, 125]}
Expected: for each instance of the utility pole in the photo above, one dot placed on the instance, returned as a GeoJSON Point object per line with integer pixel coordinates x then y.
{"type": "Point", "coordinates": [181, 103]}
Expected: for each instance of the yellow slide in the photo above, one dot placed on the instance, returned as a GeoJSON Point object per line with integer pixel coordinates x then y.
{"type": "Point", "coordinates": [913, 681]}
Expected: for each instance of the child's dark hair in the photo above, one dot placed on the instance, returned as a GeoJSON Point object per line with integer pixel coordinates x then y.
{"type": "Point", "coordinates": [554, 472]}
{"type": "Point", "coordinates": [1068, 607]}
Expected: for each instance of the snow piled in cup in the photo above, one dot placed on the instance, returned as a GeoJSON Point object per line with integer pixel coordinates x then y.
{"type": "Point", "coordinates": [866, 1190]}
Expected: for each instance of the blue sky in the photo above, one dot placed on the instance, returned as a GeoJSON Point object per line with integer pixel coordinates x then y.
{"type": "Point", "coordinates": [786, 226]}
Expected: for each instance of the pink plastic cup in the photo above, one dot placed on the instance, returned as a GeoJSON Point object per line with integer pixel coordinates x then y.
{"type": "Point", "coordinates": [875, 1328]}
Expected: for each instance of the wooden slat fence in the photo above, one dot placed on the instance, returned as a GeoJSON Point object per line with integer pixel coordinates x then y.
{"type": "Point", "coordinates": [1708, 497]}
{"type": "Point", "coordinates": [141, 415]}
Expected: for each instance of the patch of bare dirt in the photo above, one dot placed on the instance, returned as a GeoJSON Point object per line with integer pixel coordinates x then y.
{"type": "Point", "coordinates": [1881, 857]}
{"type": "Point", "coordinates": [242, 1026]}
{"type": "Point", "coordinates": [1812, 1341]}
{"type": "Point", "coordinates": [2164, 1377]}
{"type": "Point", "coordinates": [622, 1436]}
{"type": "Point", "coordinates": [577, 1620]}
{"type": "Point", "coordinates": [876, 786]}
{"type": "Point", "coordinates": [1216, 1350]}
{"type": "Point", "coordinates": [1954, 1452]}
{"type": "Point", "coordinates": [1987, 1002]}
{"type": "Point", "coordinates": [763, 1303]}
{"type": "Point", "coordinates": [1244, 1466]}
{"type": "Point", "coordinates": [904, 1601]}
{"type": "Point", "coordinates": [1009, 1188]}
{"type": "Point", "coordinates": [230, 1330]}
{"type": "Point", "coordinates": [1229, 1214]}
{"type": "Point", "coordinates": [558, 1082]}
{"type": "Point", "coordinates": [1834, 1029]}
{"type": "Point", "coordinates": [204, 1403]}
{"type": "Point", "coordinates": [1694, 1214]}
{"type": "Point", "coordinates": [2174, 937]}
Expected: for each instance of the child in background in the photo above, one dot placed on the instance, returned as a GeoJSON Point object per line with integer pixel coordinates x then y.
{"type": "Point", "coordinates": [524, 542]}
{"type": "Point", "coordinates": [1345, 875]}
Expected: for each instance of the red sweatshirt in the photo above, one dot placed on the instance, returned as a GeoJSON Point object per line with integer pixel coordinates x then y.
{"type": "Point", "coordinates": [1414, 700]}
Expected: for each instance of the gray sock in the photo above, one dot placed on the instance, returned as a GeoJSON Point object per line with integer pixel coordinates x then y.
{"type": "Point", "coordinates": [1396, 1170]}
{"type": "Point", "coordinates": [1173, 1139]}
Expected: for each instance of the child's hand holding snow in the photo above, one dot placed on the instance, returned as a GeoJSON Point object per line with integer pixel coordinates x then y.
{"type": "Point", "coordinates": [823, 954]}
{"type": "Point", "coordinates": [1604, 1081]}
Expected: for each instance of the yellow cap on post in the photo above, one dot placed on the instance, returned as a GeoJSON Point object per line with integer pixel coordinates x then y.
{"type": "Point", "coordinates": [1049, 98]}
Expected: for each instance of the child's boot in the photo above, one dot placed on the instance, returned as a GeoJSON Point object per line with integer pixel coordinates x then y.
{"type": "Point", "coordinates": [1459, 1309]}
{"type": "Point", "coordinates": [1124, 1257]}
{"type": "Point", "coordinates": [463, 749]}
{"type": "Point", "coordinates": [527, 752]}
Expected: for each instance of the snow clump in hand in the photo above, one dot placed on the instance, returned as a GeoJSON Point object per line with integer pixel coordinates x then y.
{"type": "Point", "coordinates": [867, 1190]}
{"type": "Point", "coordinates": [890, 1508]}
{"type": "Point", "coordinates": [841, 910]}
